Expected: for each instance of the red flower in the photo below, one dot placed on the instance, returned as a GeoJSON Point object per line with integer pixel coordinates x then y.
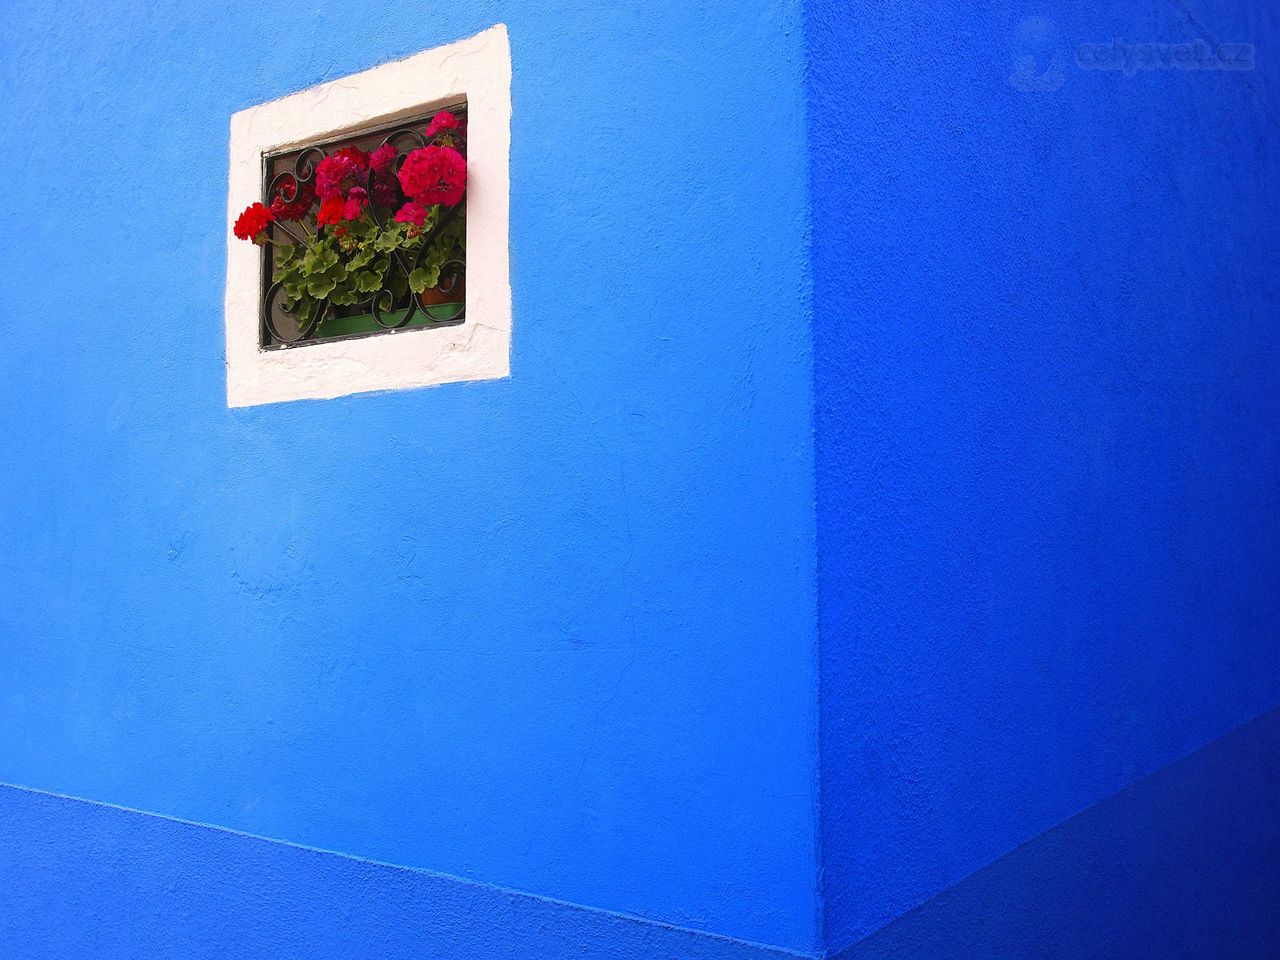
{"type": "Point", "coordinates": [412, 212]}
{"type": "Point", "coordinates": [434, 175]}
{"type": "Point", "coordinates": [355, 155]}
{"type": "Point", "coordinates": [337, 174]}
{"type": "Point", "coordinates": [357, 200]}
{"type": "Point", "coordinates": [291, 201]}
{"type": "Point", "coordinates": [382, 159]}
{"type": "Point", "coordinates": [330, 210]}
{"type": "Point", "coordinates": [386, 190]}
{"type": "Point", "coordinates": [253, 223]}
{"type": "Point", "coordinates": [444, 120]}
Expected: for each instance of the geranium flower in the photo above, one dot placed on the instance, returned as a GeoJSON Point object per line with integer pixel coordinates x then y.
{"type": "Point", "coordinates": [253, 223]}
{"type": "Point", "coordinates": [434, 175]}
{"type": "Point", "coordinates": [340, 172]}
{"type": "Point", "coordinates": [386, 190]}
{"type": "Point", "coordinates": [412, 212]}
{"type": "Point", "coordinates": [300, 203]}
{"type": "Point", "coordinates": [382, 159]}
{"type": "Point", "coordinates": [357, 200]}
{"type": "Point", "coordinates": [331, 210]}
{"type": "Point", "coordinates": [444, 120]}
{"type": "Point", "coordinates": [355, 155]}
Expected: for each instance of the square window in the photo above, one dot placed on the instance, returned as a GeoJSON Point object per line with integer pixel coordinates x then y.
{"type": "Point", "coordinates": [374, 260]}
{"type": "Point", "coordinates": [347, 298]}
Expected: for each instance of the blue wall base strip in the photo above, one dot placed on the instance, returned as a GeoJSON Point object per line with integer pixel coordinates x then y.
{"type": "Point", "coordinates": [85, 880]}
{"type": "Point", "coordinates": [1182, 864]}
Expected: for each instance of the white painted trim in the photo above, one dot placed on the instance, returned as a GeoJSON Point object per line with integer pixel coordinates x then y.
{"type": "Point", "coordinates": [479, 69]}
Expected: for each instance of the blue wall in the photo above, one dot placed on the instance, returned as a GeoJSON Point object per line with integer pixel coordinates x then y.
{"type": "Point", "coordinates": [555, 632]}
{"type": "Point", "coordinates": [1173, 866]}
{"type": "Point", "coordinates": [81, 880]}
{"type": "Point", "coordinates": [1182, 865]}
{"type": "Point", "coordinates": [1047, 376]}
{"type": "Point", "coordinates": [581, 633]}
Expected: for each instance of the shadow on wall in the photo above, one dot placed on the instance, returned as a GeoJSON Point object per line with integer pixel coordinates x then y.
{"type": "Point", "coordinates": [1185, 863]}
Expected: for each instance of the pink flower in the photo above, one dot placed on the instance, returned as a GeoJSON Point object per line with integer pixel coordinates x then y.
{"type": "Point", "coordinates": [337, 174]}
{"type": "Point", "coordinates": [412, 212]}
{"type": "Point", "coordinates": [382, 159]}
{"type": "Point", "coordinates": [386, 190]}
{"type": "Point", "coordinates": [434, 175]}
{"type": "Point", "coordinates": [355, 155]}
{"type": "Point", "coordinates": [357, 200]}
{"type": "Point", "coordinates": [444, 120]}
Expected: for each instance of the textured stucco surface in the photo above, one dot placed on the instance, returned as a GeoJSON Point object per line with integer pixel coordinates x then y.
{"type": "Point", "coordinates": [555, 632]}
{"type": "Point", "coordinates": [1182, 865]}
{"type": "Point", "coordinates": [1046, 390]}
{"type": "Point", "coordinates": [1173, 866]}
{"type": "Point", "coordinates": [81, 880]}
{"type": "Point", "coordinates": [563, 633]}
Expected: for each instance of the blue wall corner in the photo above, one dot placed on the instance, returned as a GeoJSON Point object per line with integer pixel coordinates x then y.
{"type": "Point", "coordinates": [1047, 379]}
{"type": "Point", "coordinates": [1184, 865]}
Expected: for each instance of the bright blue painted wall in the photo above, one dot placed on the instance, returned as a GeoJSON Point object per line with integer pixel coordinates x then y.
{"type": "Point", "coordinates": [563, 633]}
{"type": "Point", "coordinates": [555, 632]}
{"type": "Point", "coordinates": [1046, 395]}
{"type": "Point", "coordinates": [81, 880]}
{"type": "Point", "coordinates": [1174, 866]}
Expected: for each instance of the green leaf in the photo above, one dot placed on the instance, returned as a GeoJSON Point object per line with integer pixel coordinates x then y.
{"type": "Point", "coordinates": [424, 277]}
{"type": "Point", "coordinates": [368, 281]}
{"type": "Point", "coordinates": [321, 286]}
{"type": "Point", "coordinates": [389, 239]}
{"type": "Point", "coordinates": [319, 259]}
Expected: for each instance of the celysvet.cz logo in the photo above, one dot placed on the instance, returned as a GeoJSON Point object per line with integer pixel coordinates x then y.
{"type": "Point", "coordinates": [1118, 54]}
{"type": "Point", "coordinates": [1042, 59]}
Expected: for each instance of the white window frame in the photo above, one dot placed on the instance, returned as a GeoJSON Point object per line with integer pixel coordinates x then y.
{"type": "Point", "coordinates": [477, 69]}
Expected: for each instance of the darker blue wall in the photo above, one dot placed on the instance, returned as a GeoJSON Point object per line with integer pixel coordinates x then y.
{"type": "Point", "coordinates": [556, 632]}
{"type": "Point", "coordinates": [1183, 865]}
{"type": "Point", "coordinates": [1047, 388]}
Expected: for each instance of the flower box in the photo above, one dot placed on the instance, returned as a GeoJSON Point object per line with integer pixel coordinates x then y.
{"type": "Point", "coordinates": [363, 235]}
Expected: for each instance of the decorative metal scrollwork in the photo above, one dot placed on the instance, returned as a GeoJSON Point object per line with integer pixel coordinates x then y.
{"type": "Point", "coordinates": [389, 309]}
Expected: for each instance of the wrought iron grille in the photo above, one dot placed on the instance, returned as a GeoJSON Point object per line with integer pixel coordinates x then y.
{"type": "Point", "coordinates": [392, 306]}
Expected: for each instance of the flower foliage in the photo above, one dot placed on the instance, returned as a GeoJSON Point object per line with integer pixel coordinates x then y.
{"type": "Point", "coordinates": [362, 223]}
